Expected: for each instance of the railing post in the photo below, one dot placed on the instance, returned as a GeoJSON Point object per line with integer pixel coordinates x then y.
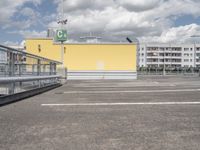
{"type": "Point", "coordinates": [54, 68]}
{"type": "Point", "coordinates": [38, 67]}
{"type": "Point", "coordinates": [20, 72]}
{"type": "Point", "coordinates": [11, 70]}
{"type": "Point", "coordinates": [39, 71]}
{"type": "Point", "coordinates": [50, 68]}
{"type": "Point", "coordinates": [44, 69]}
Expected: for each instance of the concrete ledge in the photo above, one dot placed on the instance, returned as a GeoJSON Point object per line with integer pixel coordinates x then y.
{"type": "Point", "coordinates": [8, 99]}
{"type": "Point", "coordinates": [87, 75]}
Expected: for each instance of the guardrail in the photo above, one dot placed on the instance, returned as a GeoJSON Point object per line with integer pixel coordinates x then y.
{"type": "Point", "coordinates": [21, 72]}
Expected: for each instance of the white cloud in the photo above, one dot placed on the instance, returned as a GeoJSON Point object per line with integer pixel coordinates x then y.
{"type": "Point", "coordinates": [81, 5]}
{"type": "Point", "coordinates": [175, 34]}
{"type": "Point", "coordinates": [114, 20]}
{"type": "Point", "coordinates": [139, 5]}
{"type": "Point", "coordinates": [138, 18]}
{"type": "Point", "coordinates": [30, 33]}
{"type": "Point", "coordinates": [11, 43]}
{"type": "Point", "coordinates": [9, 7]}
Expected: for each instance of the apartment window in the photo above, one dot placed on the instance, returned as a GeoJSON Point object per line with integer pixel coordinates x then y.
{"type": "Point", "coordinates": [142, 54]}
{"type": "Point", "coordinates": [191, 49]}
{"type": "Point", "coordinates": [186, 54]}
{"type": "Point", "coordinates": [186, 49]}
{"type": "Point", "coordinates": [190, 60]}
{"type": "Point", "coordinates": [186, 60]}
{"type": "Point", "coordinates": [162, 49]}
{"type": "Point", "coordinates": [191, 55]}
{"type": "Point", "coordinates": [39, 48]}
{"type": "Point", "coordinates": [142, 49]}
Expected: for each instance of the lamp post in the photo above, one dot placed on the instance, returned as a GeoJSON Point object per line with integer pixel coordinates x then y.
{"type": "Point", "coordinates": [164, 73]}
{"type": "Point", "coordinates": [138, 47]}
{"type": "Point", "coordinates": [195, 36]}
{"type": "Point", "coordinates": [61, 36]}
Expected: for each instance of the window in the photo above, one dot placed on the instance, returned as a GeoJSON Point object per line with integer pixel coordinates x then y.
{"type": "Point", "coordinates": [186, 60]}
{"type": "Point", "coordinates": [190, 60]}
{"type": "Point", "coordinates": [191, 49]}
{"type": "Point", "coordinates": [186, 49]}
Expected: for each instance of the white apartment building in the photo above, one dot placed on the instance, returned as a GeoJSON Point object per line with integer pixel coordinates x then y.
{"type": "Point", "coordinates": [170, 55]}
{"type": "Point", "coordinates": [3, 57]}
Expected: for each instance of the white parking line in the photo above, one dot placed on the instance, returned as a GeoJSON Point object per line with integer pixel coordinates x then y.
{"type": "Point", "coordinates": [118, 104]}
{"type": "Point", "coordinates": [138, 91]}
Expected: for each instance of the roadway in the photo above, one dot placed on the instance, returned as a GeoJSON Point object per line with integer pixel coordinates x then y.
{"type": "Point", "coordinates": [147, 114]}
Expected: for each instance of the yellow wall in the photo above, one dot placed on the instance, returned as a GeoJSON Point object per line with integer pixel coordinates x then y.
{"type": "Point", "coordinates": [88, 57]}
{"type": "Point", "coordinates": [48, 49]}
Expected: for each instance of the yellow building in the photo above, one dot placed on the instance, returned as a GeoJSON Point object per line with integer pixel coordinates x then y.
{"type": "Point", "coordinates": [89, 61]}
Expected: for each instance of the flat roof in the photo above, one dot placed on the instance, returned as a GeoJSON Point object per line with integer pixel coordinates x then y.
{"type": "Point", "coordinates": [84, 43]}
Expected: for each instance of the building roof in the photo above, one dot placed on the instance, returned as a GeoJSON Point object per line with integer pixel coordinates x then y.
{"type": "Point", "coordinates": [83, 43]}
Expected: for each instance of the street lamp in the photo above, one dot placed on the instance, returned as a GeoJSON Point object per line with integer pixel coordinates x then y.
{"type": "Point", "coordinates": [61, 36]}
{"type": "Point", "coordinates": [164, 72]}
{"type": "Point", "coordinates": [138, 47]}
{"type": "Point", "coordinates": [195, 36]}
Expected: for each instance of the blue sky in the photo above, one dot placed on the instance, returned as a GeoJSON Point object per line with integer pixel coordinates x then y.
{"type": "Point", "coordinates": [149, 21]}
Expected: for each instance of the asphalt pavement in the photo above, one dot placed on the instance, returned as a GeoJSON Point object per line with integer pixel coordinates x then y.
{"type": "Point", "coordinates": [151, 113]}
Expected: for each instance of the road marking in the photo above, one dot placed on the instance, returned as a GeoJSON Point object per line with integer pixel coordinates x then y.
{"type": "Point", "coordinates": [120, 104]}
{"type": "Point", "coordinates": [125, 86]}
{"type": "Point", "coordinates": [138, 91]}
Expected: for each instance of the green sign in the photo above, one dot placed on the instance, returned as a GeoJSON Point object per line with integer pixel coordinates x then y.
{"type": "Point", "coordinates": [61, 35]}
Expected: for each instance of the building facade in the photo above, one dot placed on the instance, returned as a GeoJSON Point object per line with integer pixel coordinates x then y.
{"type": "Point", "coordinates": [90, 61]}
{"type": "Point", "coordinates": [170, 55]}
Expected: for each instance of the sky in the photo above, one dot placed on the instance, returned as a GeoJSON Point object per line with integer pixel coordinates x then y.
{"type": "Point", "coordinates": [146, 20]}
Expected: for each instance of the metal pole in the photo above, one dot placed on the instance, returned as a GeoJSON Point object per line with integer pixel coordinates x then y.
{"type": "Point", "coordinates": [62, 42]}
{"type": "Point", "coordinates": [39, 71]}
{"type": "Point", "coordinates": [11, 88]}
{"type": "Point", "coordinates": [194, 57]}
{"type": "Point", "coordinates": [164, 73]}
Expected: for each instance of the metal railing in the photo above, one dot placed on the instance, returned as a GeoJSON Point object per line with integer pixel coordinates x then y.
{"type": "Point", "coordinates": [21, 71]}
{"type": "Point", "coordinates": [169, 71]}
